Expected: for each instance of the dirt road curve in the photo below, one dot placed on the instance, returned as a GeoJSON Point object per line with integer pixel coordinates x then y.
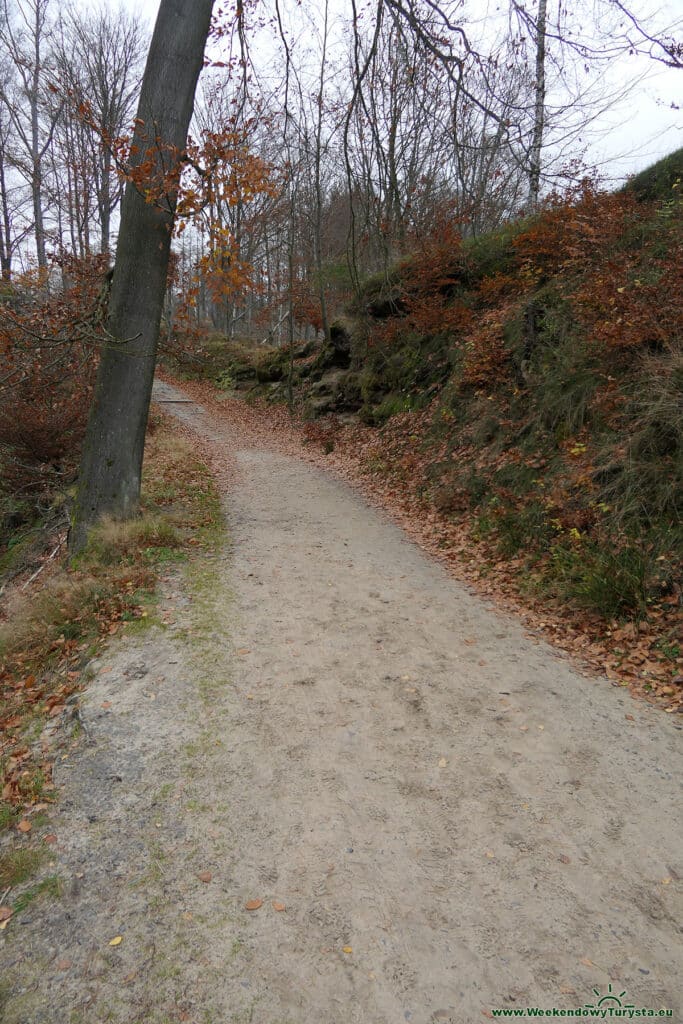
{"type": "Point", "coordinates": [454, 819]}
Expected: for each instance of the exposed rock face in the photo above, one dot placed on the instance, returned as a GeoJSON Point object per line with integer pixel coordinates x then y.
{"type": "Point", "coordinates": [336, 391]}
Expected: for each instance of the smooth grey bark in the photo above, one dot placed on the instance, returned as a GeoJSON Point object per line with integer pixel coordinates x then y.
{"type": "Point", "coordinates": [111, 465]}
{"type": "Point", "coordinates": [539, 107]}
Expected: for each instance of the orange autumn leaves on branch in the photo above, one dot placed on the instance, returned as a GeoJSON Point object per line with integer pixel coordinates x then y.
{"type": "Point", "coordinates": [200, 184]}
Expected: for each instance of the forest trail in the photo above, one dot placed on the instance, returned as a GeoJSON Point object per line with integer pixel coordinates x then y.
{"type": "Point", "coordinates": [452, 817]}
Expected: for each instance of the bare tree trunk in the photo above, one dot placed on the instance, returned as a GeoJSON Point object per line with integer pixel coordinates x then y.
{"type": "Point", "coordinates": [539, 107]}
{"type": "Point", "coordinates": [318, 234]}
{"type": "Point", "coordinates": [37, 149]}
{"type": "Point", "coordinates": [112, 456]}
{"type": "Point", "coordinates": [104, 200]}
{"type": "Point", "coordinates": [5, 226]}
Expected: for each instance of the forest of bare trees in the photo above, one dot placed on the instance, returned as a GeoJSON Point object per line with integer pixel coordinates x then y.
{"type": "Point", "coordinates": [377, 126]}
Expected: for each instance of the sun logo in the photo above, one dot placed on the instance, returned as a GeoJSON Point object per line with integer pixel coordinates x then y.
{"type": "Point", "coordinates": [610, 998]}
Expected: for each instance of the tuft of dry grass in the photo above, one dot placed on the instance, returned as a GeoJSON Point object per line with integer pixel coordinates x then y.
{"type": "Point", "coordinates": [36, 619]}
{"type": "Point", "coordinates": [51, 629]}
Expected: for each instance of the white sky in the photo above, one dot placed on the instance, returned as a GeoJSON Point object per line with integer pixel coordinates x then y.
{"type": "Point", "coordinates": [640, 130]}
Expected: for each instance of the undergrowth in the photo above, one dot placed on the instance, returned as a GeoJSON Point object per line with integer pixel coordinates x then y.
{"type": "Point", "coordinates": [51, 629]}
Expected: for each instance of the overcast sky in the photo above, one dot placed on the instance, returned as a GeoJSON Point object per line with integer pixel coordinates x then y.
{"type": "Point", "coordinates": [641, 129]}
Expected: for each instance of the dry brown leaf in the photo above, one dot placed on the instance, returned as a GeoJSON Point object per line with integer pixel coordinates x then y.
{"type": "Point", "coordinates": [564, 859]}
{"type": "Point", "coordinates": [204, 876]}
{"type": "Point", "coordinates": [278, 906]}
{"type": "Point", "coordinates": [105, 704]}
{"type": "Point", "coordinates": [64, 965]}
{"type": "Point", "coordinates": [253, 904]}
{"type": "Point", "coordinates": [24, 826]}
{"type": "Point", "coordinates": [5, 913]}
{"type": "Point", "coordinates": [116, 941]}
{"type": "Point", "coordinates": [51, 838]}
{"type": "Point", "coordinates": [586, 962]}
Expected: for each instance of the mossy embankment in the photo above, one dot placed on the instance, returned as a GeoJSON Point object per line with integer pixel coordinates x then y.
{"type": "Point", "coordinates": [528, 385]}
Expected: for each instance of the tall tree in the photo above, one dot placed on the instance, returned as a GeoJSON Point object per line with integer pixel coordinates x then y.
{"type": "Point", "coordinates": [111, 466]}
{"type": "Point", "coordinates": [99, 60]}
{"type": "Point", "coordinates": [31, 105]}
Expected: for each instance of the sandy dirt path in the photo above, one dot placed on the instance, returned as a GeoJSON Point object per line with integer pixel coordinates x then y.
{"type": "Point", "coordinates": [453, 818]}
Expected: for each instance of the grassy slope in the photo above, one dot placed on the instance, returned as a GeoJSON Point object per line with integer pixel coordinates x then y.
{"type": "Point", "coordinates": [530, 384]}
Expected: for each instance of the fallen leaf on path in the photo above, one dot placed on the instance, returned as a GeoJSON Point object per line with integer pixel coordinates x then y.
{"type": "Point", "coordinates": [243, 650]}
{"type": "Point", "coordinates": [630, 718]}
{"type": "Point", "coordinates": [105, 704]}
{"type": "Point", "coordinates": [116, 941]}
{"type": "Point", "coordinates": [5, 913]}
{"type": "Point", "coordinates": [64, 965]}
{"type": "Point", "coordinates": [51, 838]}
{"type": "Point", "coordinates": [347, 949]}
{"type": "Point", "coordinates": [666, 881]}
{"type": "Point", "coordinates": [278, 906]}
{"type": "Point", "coordinates": [586, 962]}
{"type": "Point", "coordinates": [564, 859]}
{"type": "Point", "coordinates": [490, 854]}
{"type": "Point", "coordinates": [204, 876]}
{"type": "Point", "coordinates": [24, 826]}
{"type": "Point", "coordinates": [442, 762]}
{"type": "Point", "coordinates": [253, 904]}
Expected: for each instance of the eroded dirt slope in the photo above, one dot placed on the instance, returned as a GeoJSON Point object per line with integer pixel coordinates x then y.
{"type": "Point", "coordinates": [453, 818]}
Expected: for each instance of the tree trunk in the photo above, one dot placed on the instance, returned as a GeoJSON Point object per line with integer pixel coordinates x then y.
{"type": "Point", "coordinates": [5, 227]}
{"type": "Point", "coordinates": [105, 204]}
{"type": "Point", "coordinates": [539, 108]}
{"type": "Point", "coordinates": [111, 465]}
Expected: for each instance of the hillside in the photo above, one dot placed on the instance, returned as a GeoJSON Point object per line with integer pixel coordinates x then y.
{"type": "Point", "coordinates": [527, 386]}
